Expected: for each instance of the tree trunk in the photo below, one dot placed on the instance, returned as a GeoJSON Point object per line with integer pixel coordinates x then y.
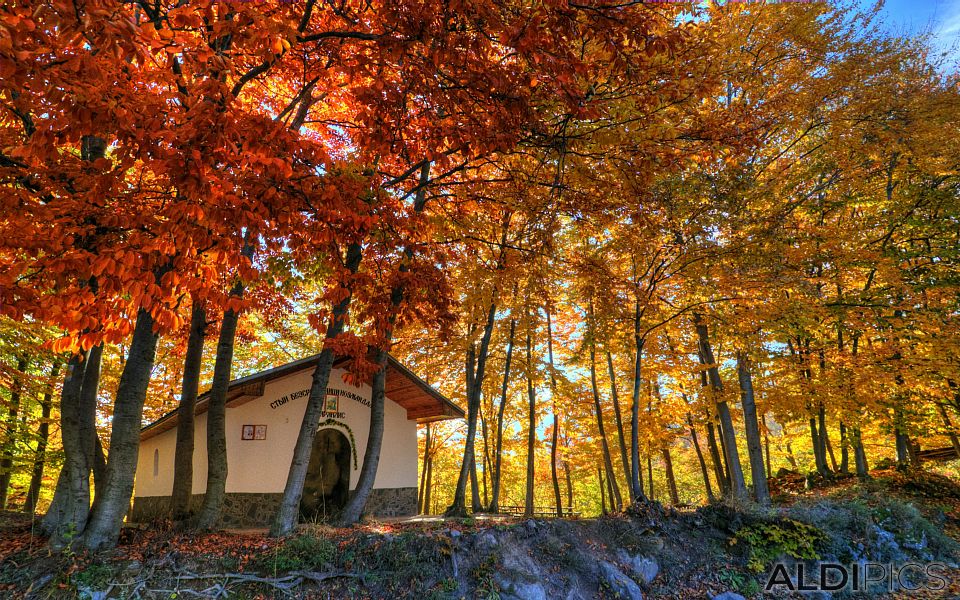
{"type": "Point", "coordinates": [752, 430]}
{"type": "Point", "coordinates": [217, 467]}
{"type": "Point", "coordinates": [498, 453]}
{"type": "Point", "coordinates": [70, 509]}
{"type": "Point", "coordinates": [825, 437]}
{"type": "Point", "coordinates": [636, 488]}
{"type": "Point", "coordinates": [671, 481]}
{"type": "Point", "coordinates": [737, 483]}
{"type": "Point", "coordinates": [189, 389]}
{"type": "Point", "coordinates": [427, 504]}
{"type": "Point", "coordinates": [11, 434]}
{"type": "Point", "coordinates": [531, 425]}
{"type": "Point", "coordinates": [476, 505]}
{"type": "Point", "coordinates": [114, 501]}
{"type": "Point", "coordinates": [859, 456]}
{"type": "Point", "coordinates": [625, 463]}
{"type": "Point", "coordinates": [459, 506]}
{"type": "Point", "coordinates": [43, 436]}
{"type": "Point", "coordinates": [567, 478]}
{"type": "Point", "coordinates": [89, 394]}
{"type": "Point", "coordinates": [790, 457]}
{"type": "Point", "coordinates": [616, 500]}
{"type": "Point", "coordinates": [421, 503]}
{"type": "Point", "coordinates": [818, 455]}
{"type": "Point", "coordinates": [486, 457]}
{"type": "Point", "coordinates": [555, 438]}
{"type": "Point", "coordinates": [715, 458]}
{"type": "Point", "coordinates": [371, 456]}
{"type": "Point", "coordinates": [902, 440]}
{"type": "Point", "coordinates": [766, 446]}
{"type": "Point", "coordinates": [700, 460]}
{"type": "Point", "coordinates": [371, 459]}
{"type": "Point", "coordinates": [844, 450]}
{"type": "Point", "coordinates": [603, 495]}
{"type": "Point", "coordinates": [286, 518]}
{"type": "Point", "coordinates": [650, 476]}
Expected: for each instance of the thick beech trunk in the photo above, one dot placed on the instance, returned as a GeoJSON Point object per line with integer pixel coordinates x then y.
{"type": "Point", "coordinates": [498, 453]}
{"type": "Point", "coordinates": [371, 456]}
{"type": "Point", "coordinates": [286, 518]}
{"type": "Point", "coordinates": [555, 437]}
{"type": "Point", "coordinates": [11, 432]}
{"type": "Point", "coordinates": [70, 509]}
{"type": "Point", "coordinates": [113, 499]}
{"type": "Point", "coordinates": [89, 393]}
{"type": "Point", "coordinates": [459, 505]}
{"type": "Point", "coordinates": [625, 463]}
{"type": "Point", "coordinates": [700, 460]}
{"type": "Point", "coordinates": [43, 437]}
{"type": "Point", "coordinates": [189, 388]}
{"type": "Point", "coordinates": [209, 514]}
{"type": "Point", "coordinates": [531, 425]}
{"type": "Point", "coordinates": [737, 483]}
{"type": "Point", "coordinates": [671, 480]}
{"type": "Point", "coordinates": [751, 427]}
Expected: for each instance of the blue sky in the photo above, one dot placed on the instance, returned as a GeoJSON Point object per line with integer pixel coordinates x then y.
{"type": "Point", "coordinates": [941, 17]}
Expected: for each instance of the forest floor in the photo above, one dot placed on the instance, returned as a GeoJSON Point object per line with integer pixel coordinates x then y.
{"type": "Point", "coordinates": [647, 552]}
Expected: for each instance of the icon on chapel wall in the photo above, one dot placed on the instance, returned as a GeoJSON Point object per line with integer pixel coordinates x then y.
{"type": "Point", "coordinates": [254, 432]}
{"type": "Point", "coordinates": [332, 403]}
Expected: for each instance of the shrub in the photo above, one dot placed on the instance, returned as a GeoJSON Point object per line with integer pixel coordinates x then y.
{"type": "Point", "coordinates": [766, 541]}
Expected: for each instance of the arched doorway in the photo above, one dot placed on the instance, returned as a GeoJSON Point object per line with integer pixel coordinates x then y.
{"type": "Point", "coordinates": [327, 486]}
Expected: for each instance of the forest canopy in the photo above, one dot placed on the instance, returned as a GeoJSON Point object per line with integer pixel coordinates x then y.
{"type": "Point", "coordinates": [656, 251]}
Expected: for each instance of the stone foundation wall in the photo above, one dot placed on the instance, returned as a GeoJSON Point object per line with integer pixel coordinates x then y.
{"type": "Point", "coordinates": [392, 502]}
{"type": "Point", "coordinates": [241, 510]}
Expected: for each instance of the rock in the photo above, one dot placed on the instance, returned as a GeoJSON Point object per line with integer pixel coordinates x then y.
{"type": "Point", "coordinates": [455, 533]}
{"type": "Point", "coordinates": [486, 540]}
{"type": "Point", "coordinates": [525, 591]}
{"type": "Point", "coordinates": [621, 585]}
{"type": "Point", "coordinates": [728, 596]}
{"type": "Point", "coordinates": [639, 567]}
{"type": "Point", "coordinates": [644, 569]}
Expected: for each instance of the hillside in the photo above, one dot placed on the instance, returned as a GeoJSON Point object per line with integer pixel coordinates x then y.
{"type": "Point", "coordinates": [649, 553]}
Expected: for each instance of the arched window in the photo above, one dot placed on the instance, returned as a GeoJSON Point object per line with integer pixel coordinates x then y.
{"type": "Point", "coordinates": [156, 462]}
